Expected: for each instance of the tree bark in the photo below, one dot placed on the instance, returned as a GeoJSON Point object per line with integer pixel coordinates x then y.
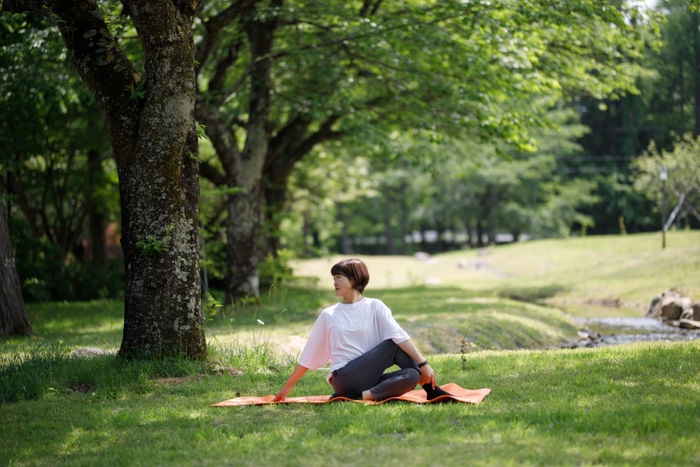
{"type": "Point", "coordinates": [388, 228]}
{"type": "Point", "coordinates": [242, 169]}
{"type": "Point", "coordinates": [154, 142]}
{"type": "Point", "coordinates": [96, 219]}
{"type": "Point", "coordinates": [696, 51]}
{"type": "Point", "coordinates": [13, 317]}
{"type": "Point", "coordinates": [344, 240]}
{"type": "Point", "coordinates": [403, 227]}
{"type": "Point", "coordinates": [244, 208]}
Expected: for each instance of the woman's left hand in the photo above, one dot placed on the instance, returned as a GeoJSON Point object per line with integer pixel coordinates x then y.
{"type": "Point", "coordinates": [427, 376]}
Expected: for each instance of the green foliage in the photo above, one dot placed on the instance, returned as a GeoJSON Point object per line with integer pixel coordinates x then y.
{"type": "Point", "coordinates": [139, 92]}
{"type": "Point", "coordinates": [201, 132]}
{"type": "Point", "coordinates": [57, 174]}
{"type": "Point", "coordinates": [275, 270]}
{"type": "Point", "coordinates": [45, 275]}
{"type": "Point", "coordinates": [683, 171]}
{"type": "Point", "coordinates": [453, 184]}
{"type": "Point", "coordinates": [213, 306]}
{"type": "Point", "coordinates": [193, 157]}
{"type": "Point", "coordinates": [622, 129]}
{"type": "Point", "coordinates": [152, 247]}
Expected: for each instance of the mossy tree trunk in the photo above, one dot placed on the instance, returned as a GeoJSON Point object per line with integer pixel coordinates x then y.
{"type": "Point", "coordinates": [13, 317]}
{"type": "Point", "coordinates": [243, 169]}
{"type": "Point", "coordinates": [154, 142]}
{"type": "Point", "coordinates": [257, 175]}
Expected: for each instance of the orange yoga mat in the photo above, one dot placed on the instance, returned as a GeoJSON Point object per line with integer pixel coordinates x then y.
{"type": "Point", "coordinates": [458, 394]}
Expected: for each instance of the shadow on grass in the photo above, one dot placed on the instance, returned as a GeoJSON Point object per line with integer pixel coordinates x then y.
{"type": "Point", "coordinates": [45, 368]}
{"type": "Point", "coordinates": [532, 294]}
{"type": "Point", "coordinates": [97, 323]}
{"type": "Point", "coordinates": [608, 406]}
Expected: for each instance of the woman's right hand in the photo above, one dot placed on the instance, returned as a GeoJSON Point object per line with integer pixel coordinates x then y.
{"type": "Point", "coordinates": [293, 378]}
{"type": "Point", "coordinates": [427, 376]}
{"type": "Point", "coordinates": [282, 394]}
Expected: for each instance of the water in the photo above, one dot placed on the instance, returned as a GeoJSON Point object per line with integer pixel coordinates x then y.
{"type": "Point", "coordinates": [626, 325]}
{"type": "Point", "coordinates": [619, 327]}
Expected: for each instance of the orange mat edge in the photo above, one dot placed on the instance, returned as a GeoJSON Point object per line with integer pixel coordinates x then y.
{"type": "Point", "coordinates": [418, 396]}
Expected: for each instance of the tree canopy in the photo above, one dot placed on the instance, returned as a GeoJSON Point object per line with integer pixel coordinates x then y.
{"type": "Point", "coordinates": [278, 78]}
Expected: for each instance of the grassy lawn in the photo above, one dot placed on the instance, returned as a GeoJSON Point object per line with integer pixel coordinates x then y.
{"type": "Point", "coordinates": [635, 404]}
{"type": "Point", "coordinates": [572, 272]}
{"type": "Point", "coordinates": [628, 405]}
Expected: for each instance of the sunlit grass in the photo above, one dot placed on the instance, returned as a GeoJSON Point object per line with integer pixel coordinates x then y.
{"type": "Point", "coordinates": [627, 405]}
{"type": "Point", "coordinates": [570, 272]}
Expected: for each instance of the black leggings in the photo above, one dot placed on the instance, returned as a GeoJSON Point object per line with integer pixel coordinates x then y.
{"type": "Point", "coordinates": [367, 372]}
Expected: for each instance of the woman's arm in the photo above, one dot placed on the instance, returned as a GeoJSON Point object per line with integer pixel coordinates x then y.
{"type": "Point", "coordinates": [291, 381]}
{"type": "Point", "coordinates": [427, 375]}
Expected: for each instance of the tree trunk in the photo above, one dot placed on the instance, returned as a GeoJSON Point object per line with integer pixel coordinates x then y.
{"type": "Point", "coordinates": [96, 219]}
{"type": "Point", "coordinates": [681, 94]}
{"type": "Point", "coordinates": [344, 241]}
{"type": "Point", "coordinates": [274, 208]}
{"type": "Point", "coordinates": [154, 142]}
{"type": "Point", "coordinates": [404, 220]}
{"type": "Point", "coordinates": [159, 188]}
{"type": "Point", "coordinates": [696, 51]}
{"type": "Point", "coordinates": [480, 233]}
{"type": "Point", "coordinates": [305, 234]}
{"type": "Point", "coordinates": [13, 317]}
{"type": "Point", "coordinates": [470, 233]}
{"type": "Point", "coordinates": [388, 230]}
{"type": "Point", "coordinates": [492, 202]}
{"type": "Point", "coordinates": [242, 246]}
{"type": "Point", "coordinates": [441, 246]}
{"type": "Point", "coordinates": [244, 209]}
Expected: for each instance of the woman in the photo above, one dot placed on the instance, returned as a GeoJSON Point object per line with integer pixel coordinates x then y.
{"type": "Point", "coordinates": [361, 339]}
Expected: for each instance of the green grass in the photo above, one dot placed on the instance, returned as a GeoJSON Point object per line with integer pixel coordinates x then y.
{"type": "Point", "coordinates": [571, 272]}
{"type": "Point", "coordinates": [437, 318]}
{"type": "Point", "coordinates": [629, 405]}
{"type": "Point", "coordinates": [98, 323]}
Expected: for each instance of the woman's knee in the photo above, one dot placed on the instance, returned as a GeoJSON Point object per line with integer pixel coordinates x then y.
{"type": "Point", "coordinates": [411, 376]}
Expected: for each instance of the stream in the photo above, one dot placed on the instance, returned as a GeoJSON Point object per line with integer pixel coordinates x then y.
{"type": "Point", "coordinates": [601, 326]}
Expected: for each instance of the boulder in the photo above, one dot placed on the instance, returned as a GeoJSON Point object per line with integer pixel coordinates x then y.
{"type": "Point", "coordinates": [689, 324]}
{"type": "Point", "coordinates": [672, 306]}
{"type": "Point", "coordinates": [696, 311]}
{"type": "Point", "coordinates": [687, 313]}
{"type": "Point", "coordinates": [655, 307]}
{"type": "Point", "coordinates": [90, 352]}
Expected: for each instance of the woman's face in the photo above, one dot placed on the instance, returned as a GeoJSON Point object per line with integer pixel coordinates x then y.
{"type": "Point", "coordinates": [343, 285]}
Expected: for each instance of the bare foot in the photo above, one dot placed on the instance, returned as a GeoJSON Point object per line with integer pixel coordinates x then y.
{"type": "Point", "coordinates": [367, 395]}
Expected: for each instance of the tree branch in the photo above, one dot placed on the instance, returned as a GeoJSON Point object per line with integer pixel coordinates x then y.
{"type": "Point", "coordinates": [222, 67]}
{"type": "Point", "coordinates": [213, 27]}
{"type": "Point", "coordinates": [212, 174]}
{"type": "Point", "coordinates": [222, 138]}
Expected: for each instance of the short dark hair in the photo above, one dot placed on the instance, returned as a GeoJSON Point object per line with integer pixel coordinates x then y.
{"type": "Point", "coordinates": [355, 270]}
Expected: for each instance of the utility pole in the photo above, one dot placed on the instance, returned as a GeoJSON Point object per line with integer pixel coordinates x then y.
{"type": "Point", "coordinates": [663, 175]}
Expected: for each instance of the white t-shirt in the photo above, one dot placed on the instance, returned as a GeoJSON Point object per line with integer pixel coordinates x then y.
{"type": "Point", "coordinates": [343, 332]}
